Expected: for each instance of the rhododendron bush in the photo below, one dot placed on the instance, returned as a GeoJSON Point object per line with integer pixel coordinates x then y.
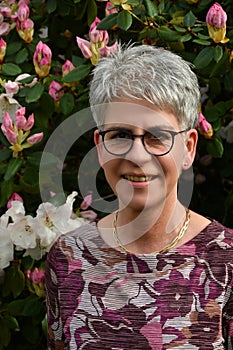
{"type": "Point", "coordinates": [48, 49]}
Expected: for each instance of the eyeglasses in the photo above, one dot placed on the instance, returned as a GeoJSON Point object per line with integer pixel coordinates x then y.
{"type": "Point", "coordinates": [119, 142]}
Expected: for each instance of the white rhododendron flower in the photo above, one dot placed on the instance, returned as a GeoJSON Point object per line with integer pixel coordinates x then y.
{"type": "Point", "coordinates": [6, 246]}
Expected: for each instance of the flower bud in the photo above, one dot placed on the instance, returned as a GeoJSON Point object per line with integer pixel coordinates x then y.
{"type": "Point", "coordinates": [11, 87]}
{"type": "Point", "coordinates": [86, 202]}
{"type": "Point", "coordinates": [37, 276]}
{"type": "Point", "coordinates": [30, 122]}
{"type": "Point", "coordinates": [25, 29]}
{"type": "Point", "coordinates": [216, 16]}
{"type": "Point", "coordinates": [204, 127]}
{"type": "Point", "coordinates": [216, 23]}
{"type": "Point", "coordinates": [23, 12]}
{"type": "Point", "coordinates": [55, 90]}
{"type": "Point", "coordinates": [20, 121]}
{"type": "Point", "coordinates": [14, 197]}
{"type": "Point", "coordinates": [84, 46]}
{"type": "Point", "coordinates": [2, 50]}
{"type": "Point", "coordinates": [67, 68]}
{"type": "Point", "coordinates": [35, 138]}
{"type": "Point", "coordinates": [42, 59]}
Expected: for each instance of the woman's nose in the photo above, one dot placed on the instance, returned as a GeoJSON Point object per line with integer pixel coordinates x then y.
{"type": "Point", "coordinates": [138, 153]}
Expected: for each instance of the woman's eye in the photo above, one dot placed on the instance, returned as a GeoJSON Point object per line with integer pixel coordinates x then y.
{"type": "Point", "coordinates": [121, 135]}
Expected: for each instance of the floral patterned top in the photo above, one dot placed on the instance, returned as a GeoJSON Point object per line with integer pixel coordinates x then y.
{"type": "Point", "coordinates": [101, 298]}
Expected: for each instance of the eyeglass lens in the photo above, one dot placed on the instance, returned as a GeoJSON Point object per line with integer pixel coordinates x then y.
{"type": "Point", "coordinates": [120, 142]}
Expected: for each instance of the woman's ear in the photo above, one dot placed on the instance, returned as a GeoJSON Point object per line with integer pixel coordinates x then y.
{"type": "Point", "coordinates": [98, 144]}
{"type": "Point", "coordinates": [191, 145]}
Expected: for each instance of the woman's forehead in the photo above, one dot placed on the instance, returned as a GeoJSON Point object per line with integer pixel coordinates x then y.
{"type": "Point", "coordinates": [138, 115]}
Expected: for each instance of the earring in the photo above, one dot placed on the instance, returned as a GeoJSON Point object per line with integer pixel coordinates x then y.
{"type": "Point", "coordinates": [186, 163]}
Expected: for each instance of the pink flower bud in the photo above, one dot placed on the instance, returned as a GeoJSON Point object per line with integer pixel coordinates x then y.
{"type": "Point", "coordinates": [42, 59]}
{"type": "Point", "coordinates": [204, 127]}
{"type": "Point", "coordinates": [67, 67]}
{"type": "Point", "coordinates": [25, 29]}
{"type": "Point", "coordinates": [98, 36]}
{"type": "Point", "coordinates": [20, 112]}
{"type": "Point", "coordinates": [55, 90]}
{"type": "Point", "coordinates": [108, 50]}
{"type": "Point", "coordinates": [30, 122]}
{"type": "Point", "coordinates": [84, 46]}
{"type": "Point", "coordinates": [20, 121]}
{"type": "Point", "coordinates": [11, 136]}
{"type": "Point", "coordinates": [109, 9]}
{"type": "Point", "coordinates": [23, 11]}
{"type": "Point", "coordinates": [2, 50]}
{"type": "Point", "coordinates": [37, 276]}
{"type": "Point", "coordinates": [4, 28]}
{"type": "Point", "coordinates": [86, 202]}
{"type": "Point", "coordinates": [35, 138]}
{"type": "Point", "coordinates": [15, 197]}
{"type": "Point", "coordinates": [6, 11]}
{"type": "Point", "coordinates": [89, 215]}
{"type": "Point", "coordinates": [216, 16]}
{"type": "Point", "coordinates": [11, 87]}
{"type": "Point", "coordinates": [7, 122]}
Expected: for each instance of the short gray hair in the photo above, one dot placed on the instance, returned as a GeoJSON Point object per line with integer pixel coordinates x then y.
{"type": "Point", "coordinates": [147, 73]}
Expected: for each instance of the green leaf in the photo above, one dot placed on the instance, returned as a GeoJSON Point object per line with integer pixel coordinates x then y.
{"type": "Point", "coordinates": [77, 74]}
{"type": "Point", "coordinates": [218, 53]}
{"type": "Point", "coordinates": [180, 29]}
{"type": "Point", "coordinates": [189, 19]}
{"type": "Point", "coordinates": [5, 334]}
{"type": "Point", "coordinates": [185, 38]}
{"type": "Point", "coordinates": [51, 5]}
{"type": "Point", "coordinates": [150, 8]}
{"type": "Point", "coordinates": [11, 69]}
{"type": "Point", "coordinates": [21, 56]}
{"type": "Point", "coordinates": [215, 147]}
{"type": "Point", "coordinates": [67, 104]}
{"type": "Point", "coordinates": [13, 166]}
{"type": "Point", "coordinates": [18, 283]}
{"type": "Point", "coordinates": [29, 306]}
{"type": "Point", "coordinates": [203, 37]}
{"type": "Point", "coordinates": [124, 20]}
{"type": "Point", "coordinates": [168, 35]}
{"type": "Point", "coordinates": [201, 42]}
{"type": "Point", "coordinates": [11, 322]}
{"type": "Point", "coordinates": [215, 112]}
{"type": "Point", "coordinates": [228, 81]}
{"type": "Point", "coordinates": [91, 11]}
{"type": "Point", "coordinates": [108, 22]}
{"type": "Point", "coordinates": [13, 47]}
{"type": "Point", "coordinates": [34, 93]}
{"type": "Point", "coordinates": [6, 188]}
{"type": "Point", "coordinates": [204, 57]}
{"type": "Point", "coordinates": [5, 154]}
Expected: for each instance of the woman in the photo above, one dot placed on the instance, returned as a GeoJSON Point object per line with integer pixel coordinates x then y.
{"type": "Point", "coordinates": [153, 274]}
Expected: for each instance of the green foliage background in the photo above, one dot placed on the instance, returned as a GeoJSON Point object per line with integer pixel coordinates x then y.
{"type": "Point", "coordinates": [176, 25]}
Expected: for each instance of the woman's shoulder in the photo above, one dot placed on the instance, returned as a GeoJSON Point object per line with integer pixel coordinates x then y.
{"type": "Point", "coordinates": [73, 243]}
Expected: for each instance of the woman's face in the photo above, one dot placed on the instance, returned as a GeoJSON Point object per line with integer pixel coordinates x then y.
{"type": "Point", "coordinates": [140, 179]}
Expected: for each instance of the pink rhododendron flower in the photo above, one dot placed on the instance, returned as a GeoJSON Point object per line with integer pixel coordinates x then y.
{"type": "Point", "coordinates": [85, 47]}
{"type": "Point", "coordinates": [216, 23]}
{"type": "Point", "coordinates": [42, 59]}
{"type": "Point", "coordinates": [23, 11]}
{"type": "Point", "coordinates": [89, 215]}
{"type": "Point", "coordinates": [67, 67]}
{"type": "Point", "coordinates": [37, 276]}
{"type": "Point", "coordinates": [109, 9]}
{"type": "Point", "coordinates": [204, 127]}
{"type": "Point", "coordinates": [216, 16]}
{"type": "Point", "coordinates": [97, 46]}
{"type": "Point", "coordinates": [55, 90]}
{"type": "Point", "coordinates": [11, 87]}
{"type": "Point", "coordinates": [2, 50]}
{"type": "Point", "coordinates": [14, 197]}
{"type": "Point", "coordinates": [36, 138]}
{"type": "Point", "coordinates": [25, 29]}
{"type": "Point", "coordinates": [86, 202]}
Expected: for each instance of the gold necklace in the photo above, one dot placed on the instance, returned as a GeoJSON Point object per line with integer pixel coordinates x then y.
{"type": "Point", "coordinates": [168, 247]}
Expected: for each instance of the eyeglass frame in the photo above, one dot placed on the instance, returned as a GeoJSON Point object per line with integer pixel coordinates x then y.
{"type": "Point", "coordinates": [173, 133]}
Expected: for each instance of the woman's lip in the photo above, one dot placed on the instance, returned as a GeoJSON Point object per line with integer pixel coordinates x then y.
{"type": "Point", "coordinates": [132, 179]}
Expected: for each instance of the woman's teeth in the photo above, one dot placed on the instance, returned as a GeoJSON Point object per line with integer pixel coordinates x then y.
{"type": "Point", "coordinates": [138, 178]}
